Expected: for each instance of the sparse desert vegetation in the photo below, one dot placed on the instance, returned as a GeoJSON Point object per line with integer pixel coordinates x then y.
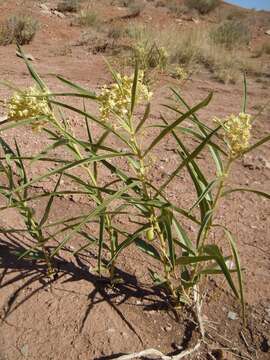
{"type": "Point", "coordinates": [203, 6]}
{"type": "Point", "coordinates": [134, 180]}
{"type": "Point", "coordinates": [19, 29]}
{"type": "Point", "coordinates": [69, 6]}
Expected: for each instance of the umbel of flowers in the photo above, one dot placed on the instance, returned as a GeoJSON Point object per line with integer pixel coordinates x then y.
{"type": "Point", "coordinates": [237, 132]}
{"type": "Point", "coordinates": [116, 99]}
{"type": "Point", "coordinates": [29, 104]}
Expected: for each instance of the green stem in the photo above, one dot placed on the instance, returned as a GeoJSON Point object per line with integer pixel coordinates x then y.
{"type": "Point", "coordinates": [93, 179]}
{"type": "Point", "coordinates": [214, 210]}
{"type": "Point", "coordinates": [152, 215]}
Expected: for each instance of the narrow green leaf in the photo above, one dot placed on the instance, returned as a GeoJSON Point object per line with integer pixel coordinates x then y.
{"type": "Point", "coordinates": [134, 88]}
{"type": "Point", "coordinates": [186, 260]}
{"type": "Point", "coordinates": [166, 220]}
{"type": "Point", "coordinates": [101, 241]}
{"type": "Point", "coordinates": [244, 107]}
{"type": "Point", "coordinates": [204, 226]}
{"type": "Point", "coordinates": [182, 236]}
{"type": "Point", "coordinates": [259, 143]}
{"type": "Point", "coordinates": [145, 117]}
{"type": "Point", "coordinates": [32, 71]}
{"type": "Point", "coordinates": [14, 124]}
{"type": "Point", "coordinates": [49, 204]}
{"type": "Point", "coordinates": [67, 167]}
{"type": "Point", "coordinates": [75, 86]}
{"type": "Point", "coordinates": [98, 210]}
{"type": "Point", "coordinates": [170, 127]}
{"type": "Point", "coordinates": [204, 194]}
{"type": "Point", "coordinates": [214, 251]}
{"type": "Point", "coordinates": [89, 116]}
{"type": "Point", "coordinates": [257, 192]}
{"type": "Point", "coordinates": [147, 248]}
{"type": "Point", "coordinates": [81, 95]}
{"type": "Point", "coordinates": [128, 241]}
{"type": "Point", "coordinates": [204, 130]}
{"type": "Point", "coordinates": [238, 267]}
{"type": "Point", "coordinates": [189, 159]}
{"type": "Point", "coordinates": [53, 146]}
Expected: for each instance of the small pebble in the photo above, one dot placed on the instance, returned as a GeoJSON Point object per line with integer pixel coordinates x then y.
{"type": "Point", "coordinates": [177, 346]}
{"type": "Point", "coordinates": [167, 328]}
{"type": "Point", "coordinates": [232, 315]}
{"type": "Point", "coordinates": [24, 350]}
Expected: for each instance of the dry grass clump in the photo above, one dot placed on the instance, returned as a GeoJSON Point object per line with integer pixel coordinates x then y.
{"type": "Point", "coordinates": [193, 47]}
{"type": "Point", "coordinates": [95, 42]}
{"type": "Point", "coordinates": [147, 50]}
{"type": "Point", "coordinates": [178, 9]}
{"type": "Point", "coordinates": [116, 31]}
{"type": "Point", "coordinates": [231, 33]}
{"type": "Point", "coordinates": [266, 47]}
{"type": "Point", "coordinates": [234, 14]}
{"type": "Point", "coordinates": [135, 8]}
{"type": "Point", "coordinates": [263, 49]}
{"type": "Point", "coordinates": [184, 47]}
{"type": "Point", "coordinates": [69, 6]}
{"type": "Point", "coordinates": [139, 32]}
{"type": "Point", "coordinates": [88, 18]}
{"type": "Point", "coordinates": [190, 48]}
{"type": "Point", "coordinates": [150, 55]}
{"type": "Point", "coordinates": [160, 3]}
{"type": "Point", "coordinates": [124, 3]}
{"type": "Point", "coordinates": [203, 6]}
{"type": "Point", "coordinates": [19, 29]}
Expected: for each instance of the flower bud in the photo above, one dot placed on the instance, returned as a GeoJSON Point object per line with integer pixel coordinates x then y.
{"type": "Point", "coordinates": [150, 234]}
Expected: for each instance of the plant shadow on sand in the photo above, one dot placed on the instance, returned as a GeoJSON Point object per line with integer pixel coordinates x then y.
{"type": "Point", "coordinates": [33, 271]}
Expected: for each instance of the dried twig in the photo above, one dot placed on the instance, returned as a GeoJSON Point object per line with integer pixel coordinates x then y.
{"type": "Point", "coordinates": [159, 355]}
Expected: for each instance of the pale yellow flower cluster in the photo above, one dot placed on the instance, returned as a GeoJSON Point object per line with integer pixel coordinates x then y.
{"type": "Point", "coordinates": [181, 73]}
{"type": "Point", "coordinates": [116, 99]}
{"type": "Point", "coordinates": [237, 132]}
{"type": "Point", "coordinates": [26, 105]}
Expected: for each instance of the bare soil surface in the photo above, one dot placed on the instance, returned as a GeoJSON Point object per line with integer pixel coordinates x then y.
{"type": "Point", "coordinates": [79, 315]}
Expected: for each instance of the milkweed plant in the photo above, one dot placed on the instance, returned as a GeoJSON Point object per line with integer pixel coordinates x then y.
{"type": "Point", "coordinates": [159, 229]}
